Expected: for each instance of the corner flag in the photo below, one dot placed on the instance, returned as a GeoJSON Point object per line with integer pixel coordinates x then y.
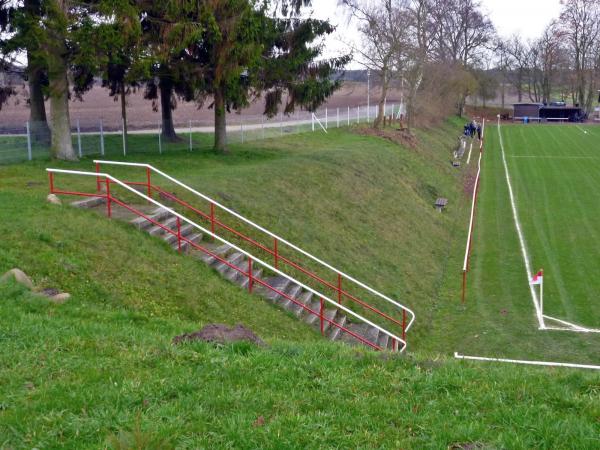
{"type": "Point", "coordinates": [538, 278]}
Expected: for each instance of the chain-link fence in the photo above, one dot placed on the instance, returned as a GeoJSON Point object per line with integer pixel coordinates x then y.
{"type": "Point", "coordinates": [32, 140]}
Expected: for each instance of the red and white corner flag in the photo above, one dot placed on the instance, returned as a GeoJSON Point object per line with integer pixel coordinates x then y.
{"type": "Point", "coordinates": [538, 278]}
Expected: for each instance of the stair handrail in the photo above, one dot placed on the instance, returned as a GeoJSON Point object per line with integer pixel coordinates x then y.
{"type": "Point", "coordinates": [264, 230]}
{"type": "Point", "coordinates": [224, 241]}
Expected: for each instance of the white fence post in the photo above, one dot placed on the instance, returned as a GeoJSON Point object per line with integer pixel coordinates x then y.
{"type": "Point", "coordinates": [348, 116]}
{"type": "Point", "coordinates": [326, 120]}
{"type": "Point", "coordinates": [159, 138]}
{"type": "Point", "coordinates": [29, 154]}
{"type": "Point", "coordinates": [79, 138]}
{"type": "Point", "coordinates": [358, 114]}
{"type": "Point", "coordinates": [101, 138]}
{"type": "Point", "coordinates": [191, 146]}
{"type": "Point", "coordinates": [123, 133]}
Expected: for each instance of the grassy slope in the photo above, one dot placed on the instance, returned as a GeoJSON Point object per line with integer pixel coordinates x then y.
{"type": "Point", "coordinates": [363, 204]}
{"type": "Point", "coordinates": [88, 376]}
{"type": "Point", "coordinates": [499, 309]}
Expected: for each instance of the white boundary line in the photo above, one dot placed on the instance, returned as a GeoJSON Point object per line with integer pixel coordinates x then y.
{"type": "Point", "coordinates": [539, 313]}
{"type": "Point", "coordinates": [470, 149]}
{"type": "Point", "coordinates": [520, 234]}
{"type": "Point", "coordinates": [526, 362]}
{"type": "Point", "coordinates": [581, 129]}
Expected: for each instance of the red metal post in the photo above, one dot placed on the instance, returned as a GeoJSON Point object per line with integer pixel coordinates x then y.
{"type": "Point", "coordinates": [250, 280]}
{"type": "Point", "coordinates": [51, 178]}
{"type": "Point", "coordinates": [276, 253]}
{"type": "Point", "coordinates": [404, 325]}
{"type": "Point", "coordinates": [108, 199]}
{"type": "Point", "coordinates": [212, 219]}
{"type": "Point", "coordinates": [321, 316]}
{"type": "Point", "coordinates": [394, 344]}
{"type": "Point", "coordinates": [339, 289]}
{"type": "Point", "coordinates": [148, 182]}
{"type": "Point", "coordinates": [98, 178]}
{"type": "Point", "coordinates": [178, 235]}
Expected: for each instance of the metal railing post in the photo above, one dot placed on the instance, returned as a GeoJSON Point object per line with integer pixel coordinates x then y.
{"type": "Point", "coordinates": [275, 242]}
{"type": "Point", "coordinates": [404, 325]}
{"type": "Point", "coordinates": [339, 289]}
{"type": "Point", "coordinates": [321, 317]}
{"type": "Point", "coordinates": [394, 344]}
{"type": "Point", "coordinates": [148, 182]}
{"type": "Point", "coordinates": [358, 114]}
{"type": "Point", "coordinates": [178, 235]}
{"type": "Point", "coordinates": [212, 220]}
{"type": "Point", "coordinates": [250, 279]}
{"type": "Point", "coordinates": [108, 199]}
{"type": "Point", "coordinates": [79, 138]}
{"type": "Point", "coordinates": [98, 188]}
{"type": "Point", "coordinates": [101, 138]}
{"type": "Point", "coordinates": [29, 154]}
{"type": "Point", "coordinates": [51, 180]}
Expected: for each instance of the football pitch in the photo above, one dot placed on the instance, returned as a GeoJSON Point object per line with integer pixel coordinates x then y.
{"type": "Point", "coordinates": [554, 172]}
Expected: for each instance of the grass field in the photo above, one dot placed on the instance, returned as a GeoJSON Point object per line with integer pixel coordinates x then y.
{"type": "Point", "coordinates": [552, 170]}
{"type": "Point", "coordinates": [100, 370]}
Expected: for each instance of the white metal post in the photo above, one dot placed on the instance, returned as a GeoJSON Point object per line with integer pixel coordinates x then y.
{"type": "Point", "coordinates": [159, 138]}
{"type": "Point", "coordinates": [101, 138]}
{"type": "Point", "coordinates": [358, 114]}
{"type": "Point", "coordinates": [79, 138]}
{"type": "Point", "coordinates": [123, 133]}
{"type": "Point", "coordinates": [191, 146]}
{"type": "Point", "coordinates": [29, 154]}
{"type": "Point", "coordinates": [312, 117]}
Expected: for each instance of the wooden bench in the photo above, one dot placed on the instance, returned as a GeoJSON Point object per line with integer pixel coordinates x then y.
{"type": "Point", "coordinates": [441, 203]}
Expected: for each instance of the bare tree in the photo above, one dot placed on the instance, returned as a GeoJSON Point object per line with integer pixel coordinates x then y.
{"type": "Point", "coordinates": [580, 20]}
{"type": "Point", "coordinates": [383, 27]}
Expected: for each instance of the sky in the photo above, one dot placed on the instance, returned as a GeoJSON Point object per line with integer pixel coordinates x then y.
{"type": "Point", "coordinates": [527, 18]}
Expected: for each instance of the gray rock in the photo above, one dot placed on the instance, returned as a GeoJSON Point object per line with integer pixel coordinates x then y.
{"type": "Point", "coordinates": [19, 276]}
{"type": "Point", "coordinates": [53, 199]}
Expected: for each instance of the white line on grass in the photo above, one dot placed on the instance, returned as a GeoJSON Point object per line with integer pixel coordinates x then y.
{"type": "Point", "coordinates": [527, 362]}
{"type": "Point", "coordinates": [581, 129]}
{"type": "Point", "coordinates": [470, 148]}
{"type": "Point", "coordinates": [552, 157]}
{"type": "Point", "coordinates": [520, 233]}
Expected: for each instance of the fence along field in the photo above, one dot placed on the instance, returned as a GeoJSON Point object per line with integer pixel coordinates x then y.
{"type": "Point", "coordinates": [22, 143]}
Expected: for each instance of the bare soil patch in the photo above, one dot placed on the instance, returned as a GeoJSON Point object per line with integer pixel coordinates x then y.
{"type": "Point", "coordinates": [221, 334]}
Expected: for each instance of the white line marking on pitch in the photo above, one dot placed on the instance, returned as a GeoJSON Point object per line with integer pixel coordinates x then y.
{"type": "Point", "coordinates": [470, 148]}
{"type": "Point", "coordinates": [527, 362]}
{"type": "Point", "coordinates": [581, 129]}
{"type": "Point", "coordinates": [552, 157]}
{"type": "Point", "coordinates": [520, 234]}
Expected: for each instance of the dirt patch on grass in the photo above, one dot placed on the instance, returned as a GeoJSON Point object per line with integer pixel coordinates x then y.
{"type": "Point", "coordinates": [221, 334]}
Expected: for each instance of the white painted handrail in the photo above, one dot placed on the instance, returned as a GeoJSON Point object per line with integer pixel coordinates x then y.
{"type": "Point", "coordinates": [233, 246]}
{"type": "Point", "coordinates": [273, 235]}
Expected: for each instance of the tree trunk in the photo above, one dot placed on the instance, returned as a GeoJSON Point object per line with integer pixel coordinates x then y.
{"type": "Point", "coordinates": [381, 104]}
{"type": "Point", "coordinates": [40, 131]}
{"type": "Point", "coordinates": [61, 143]}
{"type": "Point", "coordinates": [124, 118]}
{"type": "Point", "coordinates": [220, 122]}
{"type": "Point", "coordinates": [165, 87]}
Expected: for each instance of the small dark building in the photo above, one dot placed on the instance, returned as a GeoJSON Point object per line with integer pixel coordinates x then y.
{"type": "Point", "coordinates": [541, 112]}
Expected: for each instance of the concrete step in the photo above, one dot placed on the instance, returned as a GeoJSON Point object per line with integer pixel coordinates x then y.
{"type": "Point", "coordinates": [384, 340]}
{"type": "Point", "coordinates": [293, 290]}
{"type": "Point", "coordinates": [185, 230]}
{"type": "Point", "coordinates": [89, 202]}
{"type": "Point", "coordinates": [335, 332]}
{"type": "Point", "coordinates": [304, 298]}
{"type": "Point", "coordinates": [185, 245]}
{"type": "Point", "coordinates": [157, 215]}
{"type": "Point", "coordinates": [170, 222]}
{"type": "Point", "coordinates": [217, 249]}
{"type": "Point", "coordinates": [279, 283]}
{"type": "Point", "coordinates": [315, 305]}
{"type": "Point", "coordinates": [366, 331]}
{"type": "Point", "coordinates": [234, 259]}
{"type": "Point", "coordinates": [231, 274]}
{"type": "Point", "coordinates": [242, 280]}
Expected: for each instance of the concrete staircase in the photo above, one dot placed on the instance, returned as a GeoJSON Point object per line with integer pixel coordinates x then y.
{"type": "Point", "coordinates": [236, 259]}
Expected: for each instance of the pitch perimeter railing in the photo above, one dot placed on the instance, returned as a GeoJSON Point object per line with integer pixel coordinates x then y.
{"type": "Point", "coordinates": [274, 248]}
{"type": "Point", "coordinates": [398, 343]}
